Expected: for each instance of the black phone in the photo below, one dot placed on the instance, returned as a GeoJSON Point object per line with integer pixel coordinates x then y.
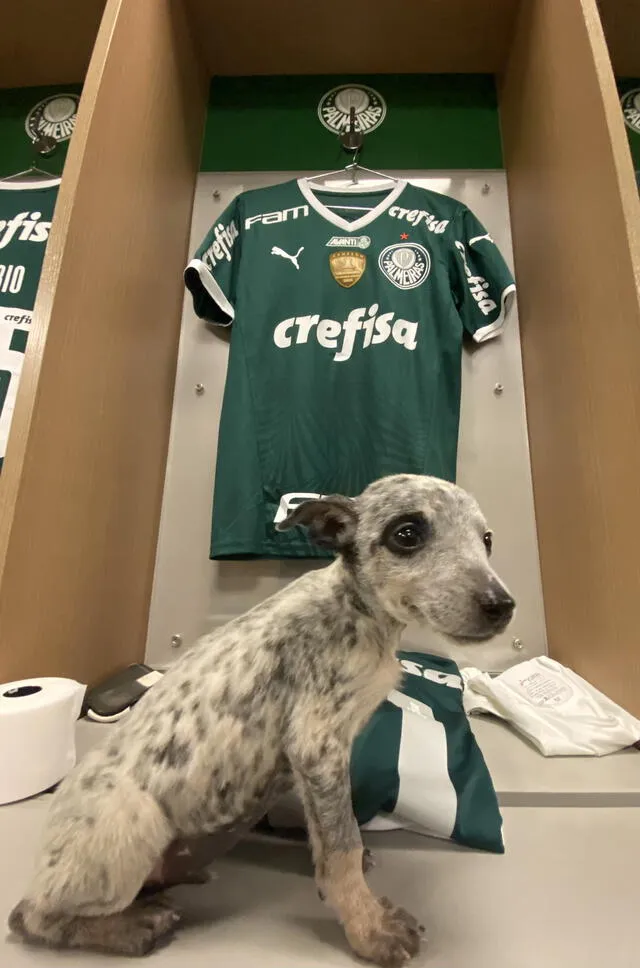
{"type": "Point", "coordinates": [112, 699]}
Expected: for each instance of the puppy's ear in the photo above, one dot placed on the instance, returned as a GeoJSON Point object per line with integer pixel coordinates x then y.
{"type": "Point", "coordinates": [331, 521]}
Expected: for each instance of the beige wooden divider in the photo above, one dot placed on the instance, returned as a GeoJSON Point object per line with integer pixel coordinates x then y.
{"type": "Point", "coordinates": [575, 222]}
{"type": "Point", "coordinates": [82, 481]}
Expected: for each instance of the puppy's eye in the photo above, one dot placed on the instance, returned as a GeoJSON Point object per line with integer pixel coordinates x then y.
{"type": "Point", "coordinates": [488, 541]}
{"type": "Point", "coordinates": [406, 535]}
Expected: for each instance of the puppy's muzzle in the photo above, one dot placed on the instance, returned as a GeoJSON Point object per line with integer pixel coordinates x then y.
{"type": "Point", "coordinates": [496, 605]}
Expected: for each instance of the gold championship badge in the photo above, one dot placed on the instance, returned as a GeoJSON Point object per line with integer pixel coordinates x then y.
{"type": "Point", "coordinates": [347, 267]}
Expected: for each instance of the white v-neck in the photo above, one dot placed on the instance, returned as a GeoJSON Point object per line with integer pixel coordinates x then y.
{"type": "Point", "coordinates": [337, 220]}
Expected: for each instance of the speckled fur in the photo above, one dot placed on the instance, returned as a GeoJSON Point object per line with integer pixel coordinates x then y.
{"type": "Point", "coordinates": [273, 698]}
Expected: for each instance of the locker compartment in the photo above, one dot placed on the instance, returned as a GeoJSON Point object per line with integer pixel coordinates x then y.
{"type": "Point", "coordinates": [81, 498]}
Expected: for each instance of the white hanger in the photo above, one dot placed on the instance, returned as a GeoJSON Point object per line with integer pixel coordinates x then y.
{"type": "Point", "coordinates": [27, 174]}
{"type": "Point", "coordinates": [353, 168]}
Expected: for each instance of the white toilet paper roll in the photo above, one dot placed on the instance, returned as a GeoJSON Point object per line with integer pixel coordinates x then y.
{"type": "Point", "coordinates": [37, 734]}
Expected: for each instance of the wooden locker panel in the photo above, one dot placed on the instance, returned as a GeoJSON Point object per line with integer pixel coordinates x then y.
{"type": "Point", "coordinates": [290, 37]}
{"type": "Point", "coordinates": [621, 22]}
{"type": "Point", "coordinates": [47, 43]}
{"type": "Point", "coordinates": [576, 223]}
{"type": "Point", "coordinates": [81, 486]}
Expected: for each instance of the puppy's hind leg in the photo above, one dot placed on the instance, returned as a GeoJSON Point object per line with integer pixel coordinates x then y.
{"type": "Point", "coordinates": [136, 931]}
{"type": "Point", "coordinates": [94, 863]}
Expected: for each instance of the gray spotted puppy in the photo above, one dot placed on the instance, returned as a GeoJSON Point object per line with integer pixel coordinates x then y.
{"type": "Point", "coordinates": [270, 701]}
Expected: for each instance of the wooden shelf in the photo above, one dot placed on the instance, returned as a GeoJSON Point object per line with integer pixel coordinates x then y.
{"type": "Point", "coordinates": [293, 37]}
{"type": "Point", "coordinates": [621, 23]}
{"type": "Point", "coordinates": [47, 43]}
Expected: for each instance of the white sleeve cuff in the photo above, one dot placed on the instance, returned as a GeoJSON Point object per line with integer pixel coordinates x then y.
{"type": "Point", "coordinates": [213, 290]}
{"type": "Point", "coordinates": [493, 329]}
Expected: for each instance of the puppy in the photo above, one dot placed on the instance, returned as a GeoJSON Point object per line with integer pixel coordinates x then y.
{"type": "Point", "coordinates": [274, 698]}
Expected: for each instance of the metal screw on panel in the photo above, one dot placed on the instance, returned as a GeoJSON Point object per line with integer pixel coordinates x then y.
{"type": "Point", "coordinates": [199, 389]}
{"type": "Point", "coordinates": [485, 189]}
{"type": "Point", "coordinates": [517, 644]}
{"type": "Point", "coordinates": [216, 195]}
{"type": "Point", "coordinates": [498, 388]}
{"type": "Point", "coordinates": [176, 641]}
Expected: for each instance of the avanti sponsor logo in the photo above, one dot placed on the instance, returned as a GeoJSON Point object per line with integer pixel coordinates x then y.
{"type": "Point", "coordinates": [350, 241]}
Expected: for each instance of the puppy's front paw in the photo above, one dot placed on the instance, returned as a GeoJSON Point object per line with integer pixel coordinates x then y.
{"type": "Point", "coordinates": [390, 938]}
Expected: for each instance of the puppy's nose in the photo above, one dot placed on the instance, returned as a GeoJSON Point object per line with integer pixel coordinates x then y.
{"type": "Point", "coordinates": [497, 604]}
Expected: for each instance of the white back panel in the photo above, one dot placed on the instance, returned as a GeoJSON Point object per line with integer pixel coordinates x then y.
{"type": "Point", "coordinates": [192, 593]}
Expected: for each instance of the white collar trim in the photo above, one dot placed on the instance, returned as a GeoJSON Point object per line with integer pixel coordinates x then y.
{"type": "Point", "coordinates": [343, 223]}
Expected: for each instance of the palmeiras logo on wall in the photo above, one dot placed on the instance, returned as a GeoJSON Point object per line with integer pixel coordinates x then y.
{"type": "Point", "coordinates": [334, 109]}
{"type": "Point", "coordinates": [54, 117]}
{"type": "Point", "coordinates": [631, 109]}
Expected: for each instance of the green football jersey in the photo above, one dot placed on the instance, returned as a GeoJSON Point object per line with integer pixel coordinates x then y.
{"type": "Point", "coordinates": [26, 210]}
{"type": "Point", "coordinates": [348, 312]}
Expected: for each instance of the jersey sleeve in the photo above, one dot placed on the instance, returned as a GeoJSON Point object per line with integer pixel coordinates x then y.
{"type": "Point", "coordinates": [481, 282]}
{"type": "Point", "coordinates": [211, 275]}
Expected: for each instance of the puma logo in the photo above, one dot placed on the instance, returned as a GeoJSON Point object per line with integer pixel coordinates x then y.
{"type": "Point", "coordinates": [479, 238]}
{"type": "Point", "coordinates": [276, 250]}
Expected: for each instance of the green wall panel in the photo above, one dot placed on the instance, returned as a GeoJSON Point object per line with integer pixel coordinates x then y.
{"type": "Point", "coordinates": [271, 124]}
{"type": "Point", "coordinates": [433, 121]}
